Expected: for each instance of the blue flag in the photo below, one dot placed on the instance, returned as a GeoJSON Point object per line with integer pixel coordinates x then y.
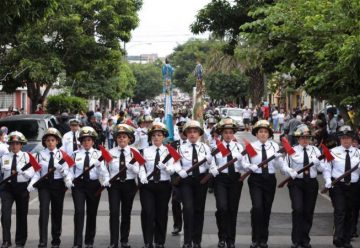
{"type": "Point", "coordinates": [167, 72]}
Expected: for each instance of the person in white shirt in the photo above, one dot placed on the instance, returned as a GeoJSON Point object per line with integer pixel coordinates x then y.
{"type": "Point", "coordinates": [160, 116]}
{"type": "Point", "coordinates": [84, 190]}
{"type": "Point", "coordinates": [247, 118]}
{"type": "Point", "coordinates": [227, 187]}
{"type": "Point", "coordinates": [281, 118]}
{"type": "Point", "coordinates": [193, 193]}
{"type": "Point", "coordinates": [262, 181]}
{"type": "Point", "coordinates": [52, 189]}
{"type": "Point", "coordinates": [344, 193]}
{"type": "Point", "coordinates": [123, 190]}
{"type": "Point", "coordinates": [15, 190]}
{"type": "Point", "coordinates": [304, 187]}
{"type": "Point", "coordinates": [4, 148]}
{"type": "Point", "coordinates": [210, 124]}
{"type": "Point", "coordinates": [275, 119]}
{"type": "Point", "coordinates": [141, 134]}
{"type": "Point", "coordinates": [155, 192]}
{"type": "Point", "coordinates": [70, 142]}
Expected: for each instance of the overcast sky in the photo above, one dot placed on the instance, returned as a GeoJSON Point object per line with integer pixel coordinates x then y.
{"type": "Point", "coordinates": [163, 25]}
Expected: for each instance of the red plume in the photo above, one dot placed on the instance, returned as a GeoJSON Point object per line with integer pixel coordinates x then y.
{"type": "Point", "coordinates": [327, 153]}
{"type": "Point", "coordinates": [249, 149]}
{"type": "Point", "coordinates": [137, 156]}
{"type": "Point", "coordinates": [288, 149]}
{"type": "Point", "coordinates": [67, 159]}
{"type": "Point", "coordinates": [220, 146]}
{"type": "Point", "coordinates": [33, 162]}
{"type": "Point", "coordinates": [105, 154]}
{"type": "Point", "coordinates": [174, 154]}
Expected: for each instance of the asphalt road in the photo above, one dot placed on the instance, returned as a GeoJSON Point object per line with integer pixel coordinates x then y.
{"type": "Point", "coordinates": [280, 224]}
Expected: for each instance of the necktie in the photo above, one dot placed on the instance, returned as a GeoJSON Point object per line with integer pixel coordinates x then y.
{"type": "Point", "coordinates": [86, 166]}
{"type": "Point", "coordinates": [265, 169]}
{"type": "Point", "coordinates": [230, 157]}
{"type": "Point", "coordinates": [50, 166]}
{"type": "Point", "coordinates": [122, 165]}
{"type": "Point", "coordinates": [156, 169]}
{"type": "Point", "coordinates": [347, 166]}
{"type": "Point", "coordinates": [196, 171]}
{"type": "Point", "coordinates": [184, 142]}
{"type": "Point", "coordinates": [306, 162]}
{"type": "Point", "coordinates": [13, 169]}
{"type": "Point", "coordinates": [75, 147]}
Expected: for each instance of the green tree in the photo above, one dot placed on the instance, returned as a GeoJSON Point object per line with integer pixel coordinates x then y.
{"type": "Point", "coordinates": [148, 81]}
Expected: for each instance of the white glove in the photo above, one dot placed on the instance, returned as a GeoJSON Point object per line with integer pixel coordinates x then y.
{"type": "Point", "coordinates": [183, 174]}
{"type": "Point", "coordinates": [30, 187]}
{"type": "Point", "coordinates": [214, 171]}
{"type": "Point", "coordinates": [278, 155]}
{"type": "Point", "coordinates": [129, 165]}
{"type": "Point", "coordinates": [316, 161]}
{"type": "Point", "coordinates": [143, 180]}
{"type": "Point", "coordinates": [106, 183]}
{"type": "Point", "coordinates": [26, 174]}
{"type": "Point", "coordinates": [68, 183]}
{"type": "Point", "coordinates": [239, 157]}
{"type": "Point", "coordinates": [328, 183]}
{"type": "Point", "coordinates": [161, 166]}
{"type": "Point", "coordinates": [209, 158]}
{"type": "Point", "coordinates": [253, 167]}
{"type": "Point", "coordinates": [58, 166]}
{"type": "Point", "coordinates": [292, 173]}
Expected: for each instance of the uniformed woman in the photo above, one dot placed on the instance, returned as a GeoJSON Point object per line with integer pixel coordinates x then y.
{"type": "Point", "coordinates": [343, 194]}
{"type": "Point", "coordinates": [155, 193]}
{"type": "Point", "coordinates": [84, 190]}
{"type": "Point", "coordinates": [70, 140]}
{"type": "Point", "coordinates": [304, 187]}
{"type": "Point", "coordinates": [52, 189]}
{"type": "Point", "coordinates": [15, 190]}
{"type": "Point", "coordinates": [227, 187]}
{"type": "Point", "coordinates": [193, 193]}
{"type": "Point", "coordinates": [123, 190]}
{"type": "Point", "coordinates": [141, 134]}
{"type": "Point", "coordinates": [262, 182]}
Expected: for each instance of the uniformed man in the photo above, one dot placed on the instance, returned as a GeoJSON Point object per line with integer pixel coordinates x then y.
{"type": "Point", "coordinates": [160, 116]}
{"type": "Point", "coordinates": [84, 190]}
{"type": "Point", "coordinates": [211, 121]}
{"type": "Point", "coordinates": [141, 134]}
{"type": "Point", "coordinates": [227, 187]}
{"type": "Point", "coordinates": [262, 182]}
{"type": "Point", "coordinates": [4, 149]}
{"type": "Point", "coordinates": [123, 190]}
{"type": "Point", "coordinates": [52, 189]}
{"type": "Point", "coordinates": [193, 193]}
{"type": "Point", "coordinates": [70, 139]}
{"type": "Point", "coordinates": [304, 187]}
{"type": "Point", "coordinates": [155, 193]}
{"type": "Point", "coordinates": [344, 193]}
{"type": "Point", "coordinates": [15, 190]}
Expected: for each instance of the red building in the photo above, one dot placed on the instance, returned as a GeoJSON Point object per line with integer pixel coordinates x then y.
{"type": "Point", "coordinates": [14, 102]}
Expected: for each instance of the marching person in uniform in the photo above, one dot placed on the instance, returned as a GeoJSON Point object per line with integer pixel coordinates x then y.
{"type": "Point", "coordinates": [227, 187]}
{"type": "Point", "coordinates": [303, 189]}
{"type": "Point", "coordinates": [155, 193]}
{"type": "Point", "coordinates": [52, 189]}
{"type": "Point", "coordinates": [193, 194]}
{"type": "Point", "coordinates": [141, 134]}
{"type": "Point", "coordinates": [84, 191]}
{"type": "Point", "coordinates": [262, 182]}
{"type": "Point", "coordinates": [15, 190]}
{"type": "Point", "coordinates": [70, 140]}
{"type": "Point", "coordinates": [123, 190]}
{"type": "Point", "coordinates": [344, 193]}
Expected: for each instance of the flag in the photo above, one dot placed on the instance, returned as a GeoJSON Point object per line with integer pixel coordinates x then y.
{"type": "Point", "coordinates": [167, 72]}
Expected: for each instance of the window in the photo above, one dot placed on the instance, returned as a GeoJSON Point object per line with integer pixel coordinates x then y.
{"type": "Point", "coordinates": [6, 100]}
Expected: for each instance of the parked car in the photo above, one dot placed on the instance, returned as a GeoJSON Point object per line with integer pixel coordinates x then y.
{"type": "Point", "coordinates": [32, 126]}
{"type": "Point", "coordinates": [237, 115]}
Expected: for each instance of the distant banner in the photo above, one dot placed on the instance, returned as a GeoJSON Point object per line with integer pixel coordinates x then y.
{"type": "Point", "coordinates": [167, 72]}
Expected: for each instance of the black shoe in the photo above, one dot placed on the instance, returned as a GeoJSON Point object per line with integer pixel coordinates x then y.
{"type": "Point", "coordinates": [230, 245]}
{"type": "Point", "coordinates": [354, 235]}
{"type": "Point", "coordinates": [338, 243]}
{"type": "Point", "coordinates": [263, 245]}
{"type": "Point", "coordinates": [306, 246]}
{"type": "Point", "coordinates": [42, 245]}
{"type": "Point", "coordinates": [89, 246]}
{"type": "Point", "coordinates": [176, 231]}
{"type": "Point", "coordinates": [211, 190]}
{"type": "Point", "coordinates": [187, 246]}
{"type": "Point", "coordinates": [6, 244]}
{"type": "Point", "coordinates": [159, 246]}
{"type": "Point", "coordinates": [348, 245]}
{"type": "Point", "coordinates": [55, 246]}
{"type": "Point", "coordinates": [125, 245]}
{"type": "Point", "coordinates": [221, 244]}
{"type": "Point", "coordinates": [296, 246]}
{"type": "Point", "coordinates": [254, 245]}
{"type": "Point", "coordinates": [148, 246]}
{"type": "Point", "coordinates": [196, 245]}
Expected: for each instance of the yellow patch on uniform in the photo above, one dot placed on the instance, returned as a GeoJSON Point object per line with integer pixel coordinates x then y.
{"type": "Point", "coordinates": [6, 162]}
{"type": "Point", "coordinates": [338, 154]}
{"type": "Point", "coordinates": [78, 159]}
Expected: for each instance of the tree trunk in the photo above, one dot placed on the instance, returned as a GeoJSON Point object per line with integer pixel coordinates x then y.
{"type": "Point", "coordinates": [35, 95]}
{"type": "Point", "coordinates": [256, 84]}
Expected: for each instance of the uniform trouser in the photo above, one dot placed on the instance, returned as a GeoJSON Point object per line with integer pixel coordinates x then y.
{"type": "Point", "coordinates": [121, 193]}
{"type": "Point", "coordinates": [303, 195]}
{"type": "Point", "coordinates": [176, 207]}
{"type": "Point", "coordinates": [227, 191]}
{"type": "Point", "coordinates": [15, 192]}
{"type": "Point", "coordinates": [356, 209]}
{"type": "Point", "coordinates": [84, 192]}
{"type": "Point", "coordinates": [53, 193]}
{"type": "Point", "coordinates": [154, 199]}
{"type": "Point", "coordinates": [193, 195]}
{"type": "Point", "coordinates": [262, 192]}
{"type": "Point", "coordinates": [343, 197]}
